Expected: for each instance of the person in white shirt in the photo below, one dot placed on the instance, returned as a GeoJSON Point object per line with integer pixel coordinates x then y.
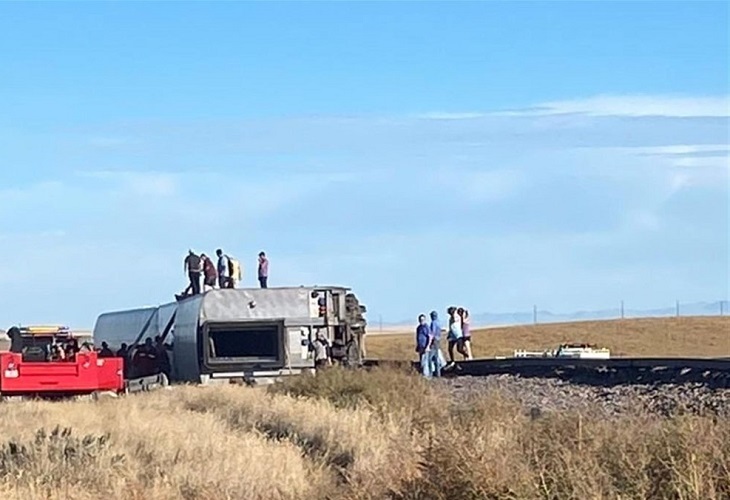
{"type": "Point", "coordinates": [224, 269]}
{"type": "Point", "coordinates": [456, 334]}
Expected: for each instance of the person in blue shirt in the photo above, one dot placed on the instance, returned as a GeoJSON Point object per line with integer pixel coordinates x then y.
{"type": "Point", "coordinates": [423, 341]}
{"type": "Point", "coordinates": [436, 357]}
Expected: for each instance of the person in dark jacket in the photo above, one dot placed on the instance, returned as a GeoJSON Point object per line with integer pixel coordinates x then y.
{"type": "Point", "coordinates": [423, 341]}
{"type": "Point", "coordinates": [16, 340]}
{"type": "Point", "coordinates": [105, 351]}
{"type": "Point", "coordinates": [163, 359]}
{"type": "Point", "coordinates": [193, 266]}
{"type": "Point", "coordinates": [210, 273]}
{"type": "Point", "coordinates": [123, 350]}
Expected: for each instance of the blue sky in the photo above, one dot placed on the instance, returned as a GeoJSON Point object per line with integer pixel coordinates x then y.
{"type": "Point", "coordinates": [495, 155]}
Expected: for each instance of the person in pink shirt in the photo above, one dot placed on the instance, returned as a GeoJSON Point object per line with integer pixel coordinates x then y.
{"type": "Point", "coordinates": [466, 332]}
{"type": "Point", "coordinates": [263, 270]}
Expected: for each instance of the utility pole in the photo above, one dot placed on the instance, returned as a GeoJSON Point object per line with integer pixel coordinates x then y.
{"type": "Point", "coordinates": [534, 314]}
{"type": "Point", "coordinates": [678, 309]}
{"type": "Point", "coordinates": [622, 309]}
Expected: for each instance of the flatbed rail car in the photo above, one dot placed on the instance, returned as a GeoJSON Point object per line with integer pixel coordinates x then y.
{"type": "Point", "coordinates": [251, 334]}
{"type": "Point", "coordinates": [50, 364]}
{"type": "Point", "coordinates": [713, 372]}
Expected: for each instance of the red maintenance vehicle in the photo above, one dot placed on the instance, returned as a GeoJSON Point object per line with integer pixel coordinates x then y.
{"type": "Point", "coordinates": [46, 361]}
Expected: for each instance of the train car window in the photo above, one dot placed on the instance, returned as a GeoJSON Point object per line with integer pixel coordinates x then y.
{"type": "Point", "coordinates": [238, 342]}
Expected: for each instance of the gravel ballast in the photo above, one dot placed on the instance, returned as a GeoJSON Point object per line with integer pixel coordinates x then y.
{"type": "Point", "coordinates": [540, 395]}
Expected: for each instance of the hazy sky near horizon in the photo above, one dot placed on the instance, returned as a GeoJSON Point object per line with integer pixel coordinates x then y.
{"type": "Point", "coordinates": [495, 155]}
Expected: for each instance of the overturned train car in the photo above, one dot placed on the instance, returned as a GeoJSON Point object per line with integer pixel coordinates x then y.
{"type": "Point", "coordinates": [243, 333]}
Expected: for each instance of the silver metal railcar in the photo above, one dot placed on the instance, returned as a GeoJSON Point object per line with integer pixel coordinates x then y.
{"type": "Point", "coordinates": [243, 333]}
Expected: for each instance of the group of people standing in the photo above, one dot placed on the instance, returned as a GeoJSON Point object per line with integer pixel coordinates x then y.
{"type": "Point", "coordinates": [428, 340]}
{"type": "Point", "coordinates": [227, 272]}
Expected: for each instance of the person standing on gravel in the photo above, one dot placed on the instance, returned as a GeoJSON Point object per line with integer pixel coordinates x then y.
{"type": "Point", "coordinates": [456, 335]}
{"type": "Point", "coordinates": [423, 348]}
{"type": "Point", "coordinates": [321, 348]}
{"type": "Point", "coordinates": [466, 332]}
{"type": "Point", "coordinates": [436, 357]}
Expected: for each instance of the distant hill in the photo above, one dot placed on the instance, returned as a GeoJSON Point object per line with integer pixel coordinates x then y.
{"type": "Point", "coordinates": [527, 317]}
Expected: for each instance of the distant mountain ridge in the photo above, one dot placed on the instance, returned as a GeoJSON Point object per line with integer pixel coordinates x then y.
{"type": "Point", "coordinates": [528, 317]}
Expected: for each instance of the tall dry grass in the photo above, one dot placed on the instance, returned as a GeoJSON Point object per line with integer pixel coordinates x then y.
{"type": "Point", "coordinates": [490, 448]}
{"type": "Point", "coordinates": [352, 435]}
{"type": "Point", "coordinates": [144, 447]}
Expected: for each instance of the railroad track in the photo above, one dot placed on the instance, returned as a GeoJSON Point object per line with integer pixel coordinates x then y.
{"type": "Point", "coordinates": [714, 372]}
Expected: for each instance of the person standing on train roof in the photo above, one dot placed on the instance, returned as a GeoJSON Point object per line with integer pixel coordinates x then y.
{"type": "Point", "coordinates": [210, 274]}
{"type": "Point", "coordinates": [224, 269]}
{"type": "Point", "coordinates": [263, 270]}
{"type": "Point", "coordinates": [193, 266]}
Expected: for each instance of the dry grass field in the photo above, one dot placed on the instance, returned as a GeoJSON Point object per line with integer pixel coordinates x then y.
{"type": "Point", "coordinates": [655, 337]}
{"type": "Point", "coordinates": [350, 435]}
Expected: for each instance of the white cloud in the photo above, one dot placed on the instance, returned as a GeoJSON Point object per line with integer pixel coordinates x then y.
{"type": "Point", "coordinates": [642, 220]}
{"type": "Point", "coordinates": [450, 116]}
{"type": "Point", "coordinates": [681, 149]}
{"type": "Point", "coordinates": [493, 185]}
{"type": "Point", "coordinates": [108, 142]}
{"type": "Point", "coordinates": [610, 105]}
{"type": "Point", "coordinates": [638, 105]}
{"type": "Point", "coordinates": [479, 186]}
{"type": "Point", "coordinates": [140, 183]}
{"type": "Point", "coordinates": [154, 184]}
{"type": "Point", "coordinates": [679, 181]}
{"type": "Point", "coordinates": [37, 191]}
{"type": "Point", "coordinates": [670, 168]}
{"type": "Point", "coordinates": [714, 162]}
{"type": "Point", "coordinates": [550, 199]}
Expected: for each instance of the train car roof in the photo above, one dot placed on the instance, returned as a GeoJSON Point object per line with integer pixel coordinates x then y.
{"type": "Point", "coordinates": [243, 303]}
